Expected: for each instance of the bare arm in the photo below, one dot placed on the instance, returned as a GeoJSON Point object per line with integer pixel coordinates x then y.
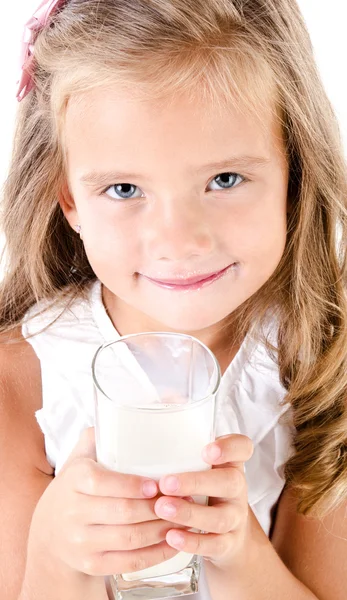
{"type": "Point", "coordinates": [314, 550]}
{"type": "Point", "coordinates": [25, 475]}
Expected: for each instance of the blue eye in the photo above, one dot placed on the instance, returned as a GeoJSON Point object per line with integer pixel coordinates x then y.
{"type": "Point", "coordinates": [125, 191]}
{"type": "Point", "coordinates": [227, 180]}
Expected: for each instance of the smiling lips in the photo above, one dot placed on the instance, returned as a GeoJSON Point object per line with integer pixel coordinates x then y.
{"type": "Point", "coordinates": [191, 282]}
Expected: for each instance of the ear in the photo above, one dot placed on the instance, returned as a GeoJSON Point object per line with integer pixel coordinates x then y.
{"type": "Point", "coordinates": [67, 205]}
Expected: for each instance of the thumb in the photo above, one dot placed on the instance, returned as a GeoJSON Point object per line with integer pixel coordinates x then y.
{"type": "Point", "coordinates": [85, 447]}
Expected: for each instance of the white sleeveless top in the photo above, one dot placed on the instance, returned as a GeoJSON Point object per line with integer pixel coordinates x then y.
{"type": "Point", "coordinates": [248, 401]}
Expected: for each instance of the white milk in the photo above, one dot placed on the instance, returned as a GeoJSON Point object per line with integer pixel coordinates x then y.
{"type": "Point", "coordinates": [153, 442]}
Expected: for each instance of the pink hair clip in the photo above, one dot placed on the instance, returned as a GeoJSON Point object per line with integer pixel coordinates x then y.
{"type": "Point", "coordinates": [37, 22]}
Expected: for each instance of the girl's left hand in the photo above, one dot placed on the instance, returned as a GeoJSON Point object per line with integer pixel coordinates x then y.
{"type": "Point", "coordinates": [225, 519]}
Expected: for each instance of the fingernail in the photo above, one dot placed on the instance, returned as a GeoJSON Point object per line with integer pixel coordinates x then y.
{"type": "Point", "coordinates": [149, 488]}
{"type": "Point", "coordinates": [213, 452]}
{"type": "Point", "coordinates": [171, 483]}
{"type": "Point", "coordinates": [175, 539]}
{"type": "Point", "coordinates": [169, 509]}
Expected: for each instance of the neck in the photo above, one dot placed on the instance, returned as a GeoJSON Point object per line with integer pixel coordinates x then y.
{"type": "Point", "coordinates": [219, 338]}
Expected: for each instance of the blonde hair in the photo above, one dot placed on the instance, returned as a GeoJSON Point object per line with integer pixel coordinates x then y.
{"type": "Point", "coordinates": [247, 52]}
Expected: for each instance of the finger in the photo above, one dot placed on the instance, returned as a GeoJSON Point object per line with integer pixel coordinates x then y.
{"type": "Point", "coordinates": [230, 448]}
{"type": "Point", "coordinates": [111, 538]}
{"type": "Point", "coordinates": [220, 518]}
{"type": "Point", "coordinates": [220, 483]}
{"type": "Point", "coordinates": [94, 479]}
{"type": "Point", "coordinates": [104, 563]}
{"type": "Point", "coordinates": [115, 511]}
{"type": "Point", "coordinates": [208, 545]}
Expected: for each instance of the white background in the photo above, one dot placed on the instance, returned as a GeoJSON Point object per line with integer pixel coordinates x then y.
{"type": "Point", "coordinates": [327, 23]}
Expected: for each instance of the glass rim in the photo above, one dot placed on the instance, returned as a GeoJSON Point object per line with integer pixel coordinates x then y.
{"type": "Point", "coordinates": [172, 408]}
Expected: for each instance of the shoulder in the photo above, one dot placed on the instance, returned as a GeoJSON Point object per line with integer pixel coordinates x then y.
{"type": "Point", "coordinates": [315, 550]}
{"type": "Point", "coordinates": [69, 306]}
{"type": "Point", "coordinates": [20, 398]}
{"type": "Point", "coordinates": [53, 325]}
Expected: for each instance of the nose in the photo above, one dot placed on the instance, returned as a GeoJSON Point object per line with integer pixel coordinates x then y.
{"type": "Point", "coordinates": [178, 231]}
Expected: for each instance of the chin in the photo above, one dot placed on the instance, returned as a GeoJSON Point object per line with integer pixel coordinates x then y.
{"type": "Point", "coordinates": [187, 323]}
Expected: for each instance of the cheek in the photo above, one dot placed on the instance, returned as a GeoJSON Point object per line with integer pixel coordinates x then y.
{"type": "Point", "coordinates": [256, 233]}
{"type": "Point", "coordinates": [267, 240]}
{"type": "Point", "coordinates": [110, 246]}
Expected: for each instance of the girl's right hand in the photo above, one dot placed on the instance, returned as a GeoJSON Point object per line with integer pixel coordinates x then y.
{"type": "Point", "coordinates": [97, 521]}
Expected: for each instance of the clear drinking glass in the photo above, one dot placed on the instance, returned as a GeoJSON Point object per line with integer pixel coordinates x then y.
{"type": "Point", "coordinates": [155, 411]}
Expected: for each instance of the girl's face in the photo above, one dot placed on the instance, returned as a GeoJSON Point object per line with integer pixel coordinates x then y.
{"type": "Point", "coordinates": [175, 192]}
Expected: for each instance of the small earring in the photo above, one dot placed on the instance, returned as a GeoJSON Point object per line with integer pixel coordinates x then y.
{"type": "Point", "coordinates": [78, 229]}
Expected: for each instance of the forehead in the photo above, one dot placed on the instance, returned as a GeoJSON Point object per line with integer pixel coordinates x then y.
{"type": "Point", "coordinates": [113, 124]}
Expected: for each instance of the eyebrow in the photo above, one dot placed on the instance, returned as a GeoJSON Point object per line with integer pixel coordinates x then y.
{"type": "Point", "coordinates": [94, 178]}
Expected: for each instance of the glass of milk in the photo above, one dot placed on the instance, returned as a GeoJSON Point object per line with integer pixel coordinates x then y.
{"type": "Point", "coordinates": [154, 413]}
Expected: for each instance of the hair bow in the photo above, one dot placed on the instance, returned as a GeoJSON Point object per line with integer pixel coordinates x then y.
{"type": "Point", "coordinates": [35, 24]}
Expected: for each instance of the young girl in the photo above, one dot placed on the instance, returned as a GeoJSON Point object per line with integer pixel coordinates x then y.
{"type": "Point", "coordinates": [176, 166]}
